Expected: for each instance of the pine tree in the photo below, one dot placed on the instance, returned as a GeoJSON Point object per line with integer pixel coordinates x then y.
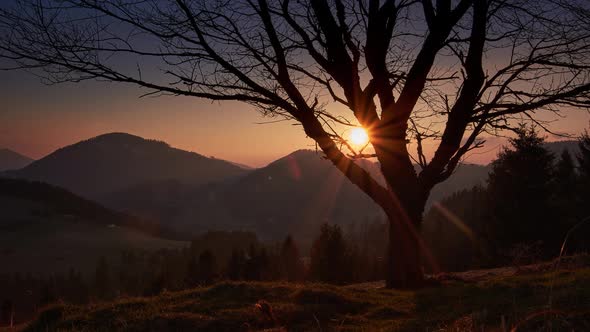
{"type": "Point", "coordinates": [192, 272]}
{"type": "Point", "coordinates": [455, 230]}
{"type": "Point", "coordinates": [565, 172]}
{"type": "Point", "coordinates": [520, 188]}
{"type": "Point", "coordinates": [207, 267]}
{"type": "Point", "coordinates": [235, 265]}
{"type": "Point", "coordinates": [291, 264]}
{"type": "Point", "coordinates": [578, 241]}
{"type": "Point", "coordinates": [566, 190]}
{"type": "Point", "coordinates": [329, 261]}
{"type": "Point", "coordinates": [251, 265]}
{"type": "Point", "coordinates": [583, 158]}
{"type": "Point", "coordinates": [102, 279]}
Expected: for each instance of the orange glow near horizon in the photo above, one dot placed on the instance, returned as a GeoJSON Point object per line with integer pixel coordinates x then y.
{"type": "Point", "coordinates": [37, 119]}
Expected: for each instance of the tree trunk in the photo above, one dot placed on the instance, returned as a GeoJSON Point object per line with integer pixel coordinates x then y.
{"type": "Point", "coordinates": [404, 252]}
{"type": "Point", "coordinates": [404, 211]}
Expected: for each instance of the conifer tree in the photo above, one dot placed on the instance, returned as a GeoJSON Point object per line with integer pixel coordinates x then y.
{"type": "Point", "coordinates": [583, 158]}
{"type": "Point", "coordinates": [192, 272]}
{"type": "Point", "coordinates": [566, 194]}
{"type": "Point", "coordinates": [102, 279]}
{"type": "Point", "coordinates": [207, 267]}
{"type": "Point", "coordinates": [520, 186]}
{"type": "Point", "coordinates": [329, 261]}
{"type": "Point", "coordinates": [292, 268]}
{"type": "Point", "coordinates": [235, 265]}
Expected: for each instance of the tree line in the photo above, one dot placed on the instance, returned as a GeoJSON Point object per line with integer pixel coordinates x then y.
{"type": "Point", "coordinates": [531, 199]}
{"type": "Point", "coordinates": [335, 257]}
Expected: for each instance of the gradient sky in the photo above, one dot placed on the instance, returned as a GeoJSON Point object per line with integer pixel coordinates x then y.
{"type": "Point", "coordinates": [36, 119]}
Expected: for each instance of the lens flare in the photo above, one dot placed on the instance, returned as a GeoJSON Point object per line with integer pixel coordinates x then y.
{"type": "Point", "coordinates": [358, 136]}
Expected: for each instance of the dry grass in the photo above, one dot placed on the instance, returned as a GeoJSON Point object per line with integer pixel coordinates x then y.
{"type": "Point", "coordinates": [491, 302]}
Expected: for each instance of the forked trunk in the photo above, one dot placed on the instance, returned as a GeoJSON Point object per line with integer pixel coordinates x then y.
{"type": "Point", "coordinates": [404, 211]}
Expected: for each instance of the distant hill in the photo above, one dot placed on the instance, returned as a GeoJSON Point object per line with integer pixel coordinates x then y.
{"type": "Point", "coordinates": [47, 229]}
{"type": "Point", "coordinates": [116, 161]}
{"type": "Point", "coordinates": [293, 194]}
{"type": "Point", "coordinates": [465, 176]}
{"type": "Point", "coordinates": [10, 160]}
{"type": "Point", "coordinates": [243, 166]}
{"type": "Point", "coordinates": [558, 147]}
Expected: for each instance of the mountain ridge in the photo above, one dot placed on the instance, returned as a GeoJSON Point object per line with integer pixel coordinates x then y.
{"type": "Point", "coordinates": [115, 161]}
{"type": "Point", "coordinates": [291, 195]}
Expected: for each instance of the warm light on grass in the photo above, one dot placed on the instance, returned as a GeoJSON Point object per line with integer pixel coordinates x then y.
{"type": "Point", "coordinates": [358, 136]}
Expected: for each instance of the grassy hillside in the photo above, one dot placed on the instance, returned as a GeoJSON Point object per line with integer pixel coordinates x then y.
{"type": "Point", "coordinates": [488, 303]}
{"type": "Point", "coordinates": [46, 229]}
{"type": "Point", "coordinates": [55, 245]}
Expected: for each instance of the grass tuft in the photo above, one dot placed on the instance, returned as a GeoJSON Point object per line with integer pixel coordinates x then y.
{"type": "Point", "coordinates": [489, 304]}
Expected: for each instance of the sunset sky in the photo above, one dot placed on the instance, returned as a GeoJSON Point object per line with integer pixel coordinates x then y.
{"type": "Point", "coordinates": [36, 119]}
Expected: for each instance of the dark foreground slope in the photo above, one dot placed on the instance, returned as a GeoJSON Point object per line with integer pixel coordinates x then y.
{"type": "Point", "coordinates": [46, 229]}
{"type": "Point", "coordinates": [487, 303]}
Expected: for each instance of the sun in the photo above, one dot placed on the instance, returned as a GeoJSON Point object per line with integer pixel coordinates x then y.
{"type": "Point", "coordinates": [358, 136]}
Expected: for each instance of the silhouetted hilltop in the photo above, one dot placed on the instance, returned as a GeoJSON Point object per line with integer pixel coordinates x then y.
{"type": "Point", "coordinates": [557, 147]}
{"type": "Point", "coordinates": [116, 161]}
{"type": "Point", "coordinates": [10, 160]}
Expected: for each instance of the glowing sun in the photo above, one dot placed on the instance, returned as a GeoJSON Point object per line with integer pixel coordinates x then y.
{"type": "Point", "coordinates": [358, 136]}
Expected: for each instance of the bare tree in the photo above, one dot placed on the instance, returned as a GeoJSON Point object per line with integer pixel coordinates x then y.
{"type": "Point", "coordinates": [405, 70]}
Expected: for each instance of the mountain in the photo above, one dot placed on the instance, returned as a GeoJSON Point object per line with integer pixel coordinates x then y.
{"type": "Point", "coordinates": [465, 177]}
{"type": "Point", "coordinates": [557, 147]}
{"type": "Point", "coordinates": [113, 162]}
{"type": "Point", "coordinates": [292, 195]}
{"type": "Point", "coordinates": [10, 160]}
{"type": "Point", "coordinates": [243, 166]}
{"type": "Point", "coordinates": [45, 229]}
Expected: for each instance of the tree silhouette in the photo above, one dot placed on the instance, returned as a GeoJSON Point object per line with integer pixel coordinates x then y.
{"type": "Point", "coordinates": [407, 71]}
{"type": "Point", "coordinates": [292, 268]}
{"type": "Point", "coordinates": [192, 272]}
{"type": "Point", "coordinates": [583, 158]}
{"type": "Point", "coordinates": [566, 191]}
{"type": "Point", "coordinates": [520, 186]}
{"type": "Point", "coordinates": [102, 279]}
{"type": "Point", "coordinates": [235, 265]}
{"type": "Point", "coordinates": [207, 267]}
{"type": "Point", "coordinates": [329, 256]}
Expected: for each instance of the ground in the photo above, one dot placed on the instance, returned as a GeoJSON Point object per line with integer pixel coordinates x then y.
{"type": "Point", "coordinates": [539, 298]}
